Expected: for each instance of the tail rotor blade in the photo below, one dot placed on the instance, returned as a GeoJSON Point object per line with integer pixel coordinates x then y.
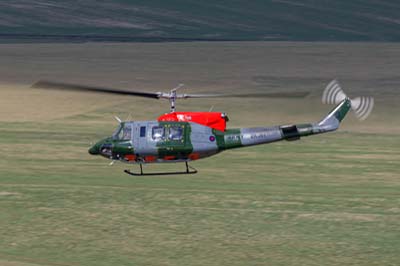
{"type": "Point", "coordinates": [362, 106]}
{"type": "Point", "coordinates": [333, 93]}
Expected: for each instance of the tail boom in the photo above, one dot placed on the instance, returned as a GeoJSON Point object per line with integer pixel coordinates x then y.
{"type": "Point", "coordinates": [235, 138]}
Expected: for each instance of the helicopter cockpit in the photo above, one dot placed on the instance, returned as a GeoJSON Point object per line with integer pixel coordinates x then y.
{"type": "Point", "coordinates": [123, 132]}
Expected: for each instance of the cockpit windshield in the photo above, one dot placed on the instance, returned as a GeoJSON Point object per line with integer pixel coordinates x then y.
{"type": "Point", "coordinates": [115, 134]}
{"type": "Point", "coordinates": [123, 132]}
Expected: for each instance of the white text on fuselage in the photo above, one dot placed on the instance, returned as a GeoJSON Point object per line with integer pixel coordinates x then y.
{"type": "Point", "coordinates": [257, 136]}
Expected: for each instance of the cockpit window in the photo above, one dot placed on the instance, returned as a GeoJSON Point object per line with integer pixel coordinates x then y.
{"type": "Point", "coordinates": [127, 132]}
{"type": "Point", "coordinates": [158, 133]}
{"type": "Point", "coordinates": [123, 132]}
{"type": "Point", "coordinates": [117, 131]}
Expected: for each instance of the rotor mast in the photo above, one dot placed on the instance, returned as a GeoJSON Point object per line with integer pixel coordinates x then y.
{"type": "Point", "coordinates": [172, 96]}
{"type": "Point", "coordinates": [172, 103]}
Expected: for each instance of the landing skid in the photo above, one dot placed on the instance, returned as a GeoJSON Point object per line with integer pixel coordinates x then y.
{"type": "Point", "coordinates": [189, 170]}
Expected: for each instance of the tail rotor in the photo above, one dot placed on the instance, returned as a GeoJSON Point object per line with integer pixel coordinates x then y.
{"type": "Point", "coordinates": [362, 106]}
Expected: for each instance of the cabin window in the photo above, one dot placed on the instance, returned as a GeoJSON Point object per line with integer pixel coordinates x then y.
{"type": "Point", "coordinates": [158, 133]}
{"type": "Point", "coordinates": [142, 131]}
{"type": "Point", "coordinates": [175, 133]}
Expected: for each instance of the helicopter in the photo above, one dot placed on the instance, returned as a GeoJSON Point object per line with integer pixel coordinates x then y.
{"type": "Point", "coordinates": [182, 137]}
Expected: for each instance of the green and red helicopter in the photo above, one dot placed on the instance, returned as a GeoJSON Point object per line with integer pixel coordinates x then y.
{"type": "Point", "coordinates": [188, 136]}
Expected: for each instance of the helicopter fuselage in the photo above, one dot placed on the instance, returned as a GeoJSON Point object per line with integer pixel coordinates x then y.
{"type": "Point", "coordinates": [158, 142]}
{"type": "Point", "coordinates": [173, 141]}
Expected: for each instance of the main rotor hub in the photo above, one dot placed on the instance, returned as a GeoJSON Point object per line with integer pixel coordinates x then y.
{"type": "Point", "coordinates": [172, 96]}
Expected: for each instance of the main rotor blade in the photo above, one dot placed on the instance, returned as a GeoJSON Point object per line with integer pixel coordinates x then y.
{"type": "Point", "coordinates": [291, 94]}
{"type": "Point", "coordinates": [288, 94]}
{"type": "Point", "coordinates": [157, 95]}
{"type": "Point", "coordinates": [76, 87]}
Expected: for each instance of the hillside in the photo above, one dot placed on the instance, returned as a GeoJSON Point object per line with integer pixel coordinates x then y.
{"type": "Point", "coordinates": [147, 20]}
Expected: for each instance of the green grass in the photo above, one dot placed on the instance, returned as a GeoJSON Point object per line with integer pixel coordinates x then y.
{"type": "Point", "coordinates": [326, 200]}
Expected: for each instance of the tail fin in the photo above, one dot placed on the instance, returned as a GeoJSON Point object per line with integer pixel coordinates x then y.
{"type": "Point", "coordinates": [332, 120]}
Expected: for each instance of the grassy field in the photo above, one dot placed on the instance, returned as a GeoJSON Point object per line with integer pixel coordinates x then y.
{"type": "Point", "coordinates": [326, 200]}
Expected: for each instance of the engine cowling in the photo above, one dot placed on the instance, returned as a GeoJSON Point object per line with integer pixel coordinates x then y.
{"type": "Point", "coordinates": [215, 120]}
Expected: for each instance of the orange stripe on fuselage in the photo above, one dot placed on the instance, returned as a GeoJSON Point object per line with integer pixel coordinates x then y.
{"type": "Point", "coordinates": [194, 156]}
{"type": "Point", "coordinates": [150, 158]}
{"type": "Point", "coordinates": [130, 157]}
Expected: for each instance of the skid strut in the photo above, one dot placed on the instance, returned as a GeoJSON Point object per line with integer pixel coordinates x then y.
{"type": "Point", "coordinates": [189, 170]}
